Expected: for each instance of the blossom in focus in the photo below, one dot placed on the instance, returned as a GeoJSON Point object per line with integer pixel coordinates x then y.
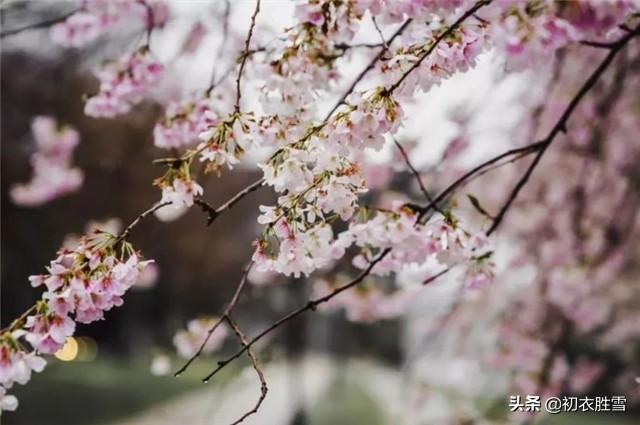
{"type": "Point", "coordinates": [81, 284]}
{"type": "Point", "coordinates": [181, 192]}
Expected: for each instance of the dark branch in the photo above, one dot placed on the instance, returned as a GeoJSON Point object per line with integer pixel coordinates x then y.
{"type": "Point", "coordinates": [245, 55]}
{"type": "Point", "coordinates": [227, 311]}
{"type": "Point", "coordinates": [437, 41]}
{"type": "Point", "coordinates": [367, 69]}
{"type": "Point", "coordinates": [38, 25]}
{"type": "Point", "coordinates": [416, 174]}
{"type": "Point", "coordinates": [311, 305]}
{"type": "Point", "coordinates": [125, 233]}
{"type": "Point", "coordinates": [561, 124]}
{"type": "Point", "coordinates": [523, 151]}
{"type": "Point", "coordinates": [213, 213]}
{"type": "Point", "coordinates": [256, 366]}
{"type": "Point", "coordinates": [435, 276]}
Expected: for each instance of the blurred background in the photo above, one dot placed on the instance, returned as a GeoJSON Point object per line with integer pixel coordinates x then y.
{"type": "Point", "coordinates": [321, 368]}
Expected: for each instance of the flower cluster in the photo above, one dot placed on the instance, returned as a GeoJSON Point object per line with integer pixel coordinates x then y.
{"type": "Point", "coordinates": [81, 284]}
{"type": "Point", "coordinates": [413, 242]}
{"type": "Point", "coordinates": [124, 83]}
{"type": "Point", "coordinates": [226, 140]}
{"type": "Point", "coordinates": [316, 190]}
{"type": "Point", "coordinates": [456, 52]}
{"type": "Point", "coordinates": [364, 121]}
{"type": "Point", "coordinates": [186, 119]}
{"type": "Point", "coordinates": [53, 175]}
{"type": "Point", "coordinates": [303, 64]}
{"type": "Point", "coordinates": [183, 122]}
{"type": "Point", "coordinates": [97, 17]}
{"type": "Point", "coordinates": [525, 35]}
{"type": "Point", "coordinates": [188, 341]}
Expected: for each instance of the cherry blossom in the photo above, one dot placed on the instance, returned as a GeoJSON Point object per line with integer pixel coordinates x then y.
{"type": "Point", "coordinates": [188, 341]}
{"type": "Point", "coordinates": [293, 107]}
{"type": "Point", "coordinates": [98, 17]}
{"type": "Point", "coordinates": [124, 83]}
{"type": "Point", "coordinates": [53, 174]}
{"type": "Point", "coordinates": [81, 284]}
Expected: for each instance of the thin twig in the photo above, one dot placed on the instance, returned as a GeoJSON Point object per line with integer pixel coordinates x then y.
{"type": "Point", "coordinates": [436, 276]}
{"type": "Point", "coordinates": [437, 41]}
{"type": "Point", "coordinates": [245, 55]}
{"type": "Point", "coordinates": [256, 366]}
{"type": "Point", "coordinates": [382, 39]}
{"type": "Point", "coordinates": [17, 321]}
{"type": "Point", "coordinates": [223, 42]}
{"type": "Point", "coordinates": [38, 25]}
{"type": "Point", "coordinates": [310, 305]}
{"type": "Point", "coordinates": [416, 174]}
{"type": "Point", "coordinates": [125, 233]}
{"type": "Point", "coordinates": [367, 69]}
{"type": "Point", "coordinates": [227, 311]}
{"type": "Point", "coordinates": [213, 213]}
{"type": "Point", "coordinates": [561, 124]}
{"type": "Point", "coordinates": [150, 20]}
{"type": "Point", "coordinates": [597, 44]}
{"type": "Point", "coordinates": [525, 150]}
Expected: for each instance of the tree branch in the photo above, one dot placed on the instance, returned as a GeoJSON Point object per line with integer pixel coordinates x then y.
{"type": "Point", "coordinates": [310, 305]}
{"type": "Point", "coordinates": [367, 69]}
{"type": "Point", "coordinates": [523, 151]}
{"type": "Point", "coordinates": [416, 174]}
{"type": "Point", "coordinates": [227, 311]}
{"type": "Point", "coordinates": [215, 212]}
{"type": "Point", "coordinates": [561, 124]}
{"type": "Point", "coordinates": [437, 41]}
{"type": "Point", "coordinates": [256, 366]}
{"type": "Point", "coordinates": [38, 25]}
{"type": "Point", "coordinates": [245, 55]}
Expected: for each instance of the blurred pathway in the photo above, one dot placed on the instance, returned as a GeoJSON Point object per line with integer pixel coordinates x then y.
{"type": "Point", "coordinates": [289, 388]}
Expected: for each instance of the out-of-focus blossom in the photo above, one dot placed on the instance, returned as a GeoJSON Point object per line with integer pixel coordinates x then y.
{"type": "Point", "coordinates": [160, 365]}
{"type": "Point", "coordinates": [188, 341]}
{"type": "Point", "coordinates": [53, 174]}
{"type": "Point", "coordinates": [124, 83]}
{"type": "Point", "coordinates": [98, 17]}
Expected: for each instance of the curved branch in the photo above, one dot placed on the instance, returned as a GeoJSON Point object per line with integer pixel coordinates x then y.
{"type": "Point", "coordinates": [311, 305]}
{"type": "Point", "coordinates": [523, 151]}
{"type": "Point", "coordinates": [225, 316]}
{"type": "Point", "coordinates": [416, 174]}
{"type": "Point", "coordinates": [215, 212]}
{"type": "Point", "coordinates": [264, 389]}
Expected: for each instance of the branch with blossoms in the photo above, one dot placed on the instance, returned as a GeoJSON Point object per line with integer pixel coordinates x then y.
{"type": "Point", "coordinates": [538, 147]}
{"type": "Point", "coordinates": [315, 166]}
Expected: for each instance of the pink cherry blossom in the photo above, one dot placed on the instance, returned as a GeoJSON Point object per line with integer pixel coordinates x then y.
{"type": "Point", "coordinates": [53, 175]}
{"type": "Point", "coordinates": [124, 83]}
{"type": "Point", "coordinates": [188, 341]}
